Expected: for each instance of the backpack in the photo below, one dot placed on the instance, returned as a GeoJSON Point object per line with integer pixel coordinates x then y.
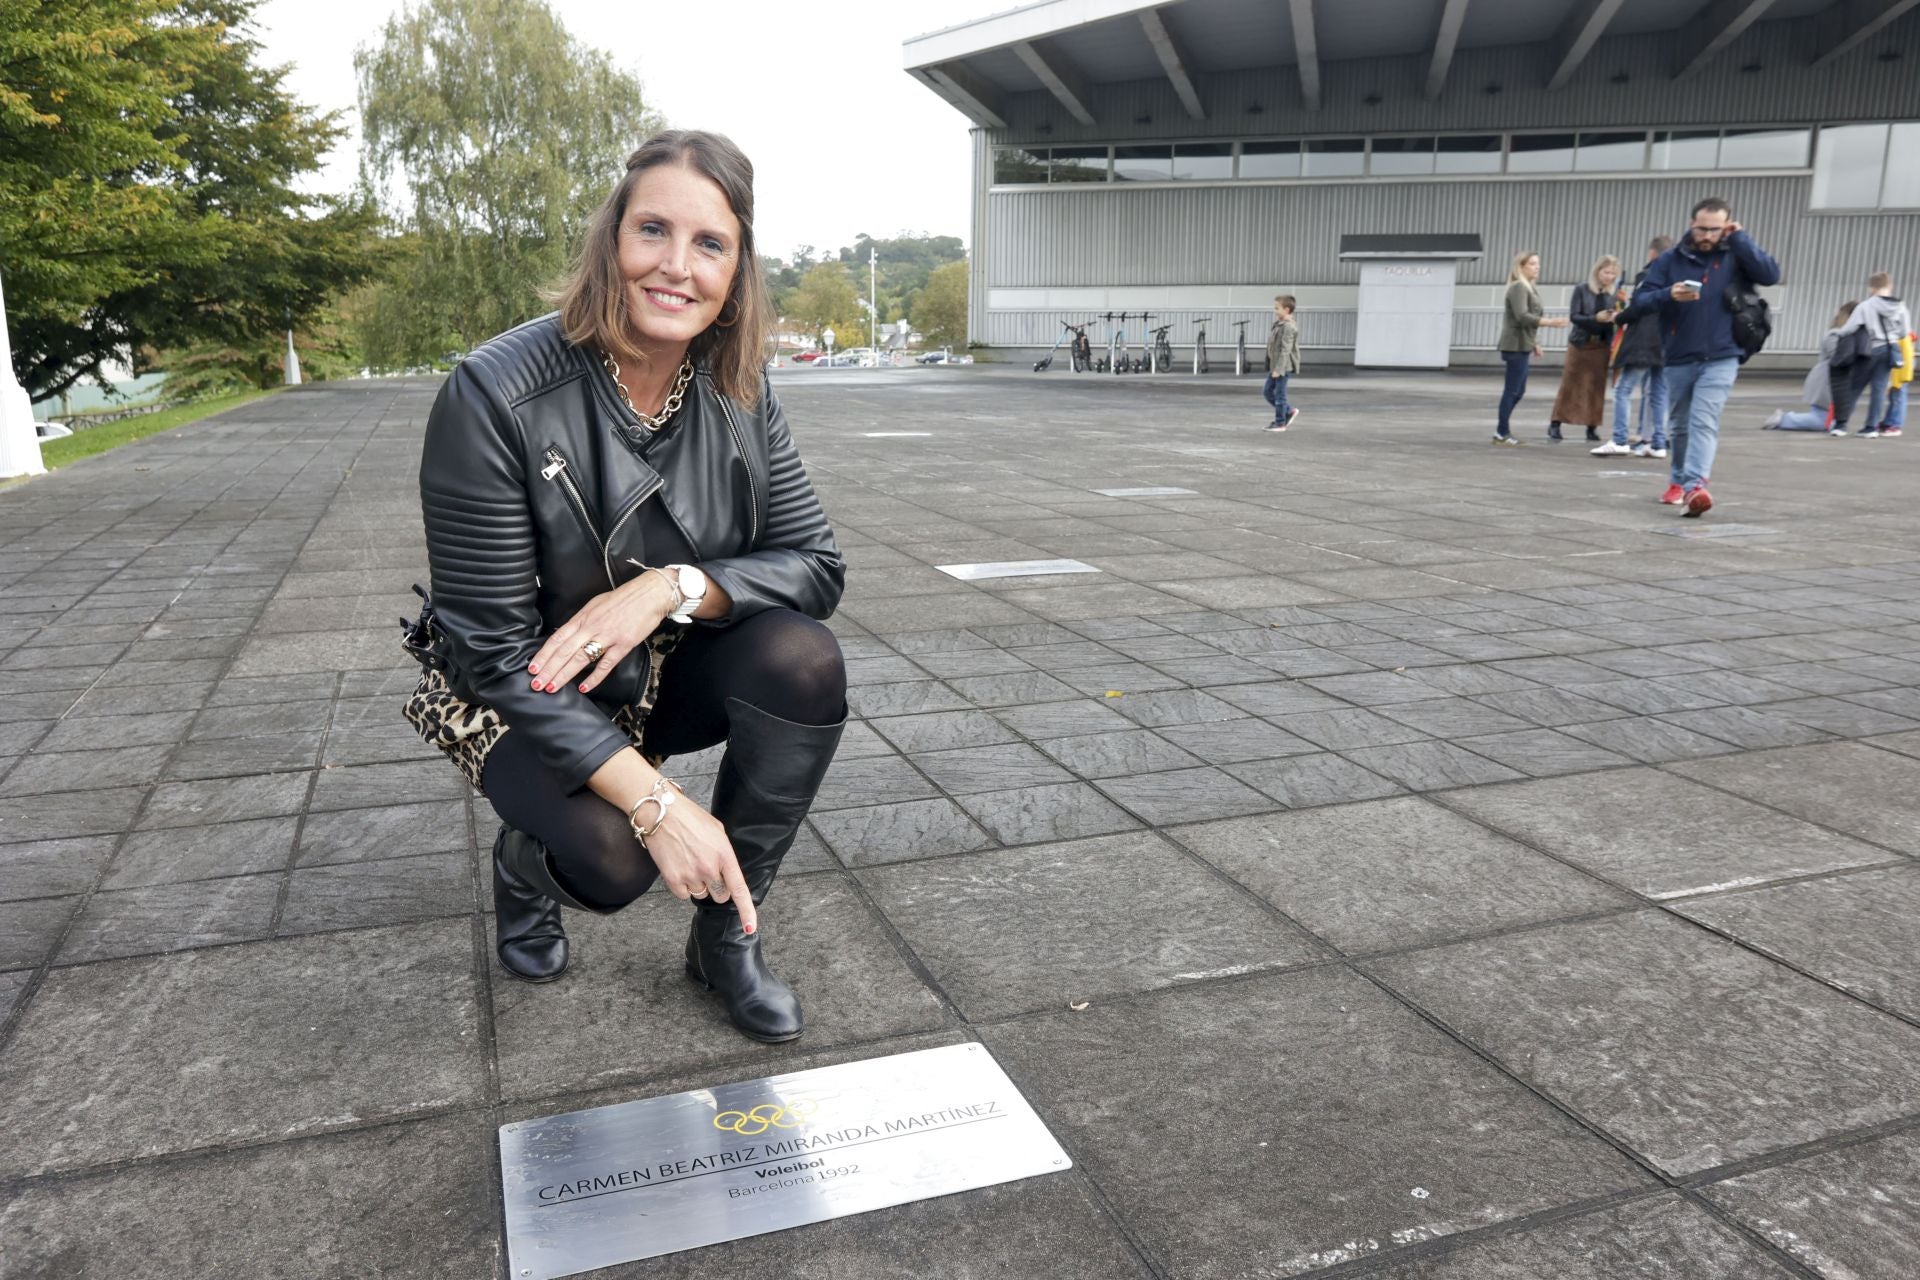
{"type": "Point", "coordinates": [1752, 321]}
{"type": "Point", "coordinates": [1852, 348]}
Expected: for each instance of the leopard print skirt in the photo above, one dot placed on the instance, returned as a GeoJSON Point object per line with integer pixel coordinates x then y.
{"type": "Point", "coordinates": [465, 731]}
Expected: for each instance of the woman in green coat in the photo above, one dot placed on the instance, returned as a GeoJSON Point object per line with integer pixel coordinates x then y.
{"type": "Point", "coordinates": [1520, 336]}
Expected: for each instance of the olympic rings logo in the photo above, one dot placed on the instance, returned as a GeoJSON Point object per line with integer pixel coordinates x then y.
{"type": "Point", "coordinates": [768, 1115]}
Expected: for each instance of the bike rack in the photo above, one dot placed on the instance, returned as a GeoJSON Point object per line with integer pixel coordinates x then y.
{"type": "Point", "coordinates": [1240, 349]}
{"type": "Point", "coordinates": [1200, 346]}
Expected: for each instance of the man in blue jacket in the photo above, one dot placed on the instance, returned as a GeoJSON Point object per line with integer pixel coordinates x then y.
{"type": "Point", "coordinates": [1687, 287]}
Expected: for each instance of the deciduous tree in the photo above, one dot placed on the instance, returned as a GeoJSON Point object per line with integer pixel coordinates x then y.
{"type": "Point", "coordinates": [940, 309]}
{"type": "Point", "coordinates": [491, 134]}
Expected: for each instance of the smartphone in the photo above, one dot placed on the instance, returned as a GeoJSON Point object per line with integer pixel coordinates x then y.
{"type": "Point", "coordinates": [1693, 286]}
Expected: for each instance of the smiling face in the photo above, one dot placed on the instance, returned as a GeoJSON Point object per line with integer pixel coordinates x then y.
{"type": "Point", "coordinates": [1532, 267]}
{"type": "Point", "coordinates": [679, 249]}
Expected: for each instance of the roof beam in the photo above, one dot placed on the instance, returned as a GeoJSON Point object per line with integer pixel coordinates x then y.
{"type": "Point", "coordinates": [1172, 61]}
{"type": "Point", "coordinates": [1306, 49]}
{"type": "Point", "coordinates": [1577, 36]}
{"type": "Point", "coordinates": [1852, 23]}
{"type": "Point", "coordinates": [1713, 29]}
{"type": "Point", "coordinates": [1062, 78]}
{"type": "Point", "coordinates": [1448, 38]}
{"type": "Point", "coordinates": [976, 99]}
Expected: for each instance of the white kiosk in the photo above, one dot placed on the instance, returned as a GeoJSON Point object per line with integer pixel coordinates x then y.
{"type": "Point", "coordinates": [1406, 297]}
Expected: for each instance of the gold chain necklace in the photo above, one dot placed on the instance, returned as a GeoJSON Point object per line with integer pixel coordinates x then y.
{"type": "Point", "coordinates": [652, 421]}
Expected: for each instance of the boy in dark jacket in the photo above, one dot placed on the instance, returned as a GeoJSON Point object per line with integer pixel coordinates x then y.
{"type": "Point", "coordinates": [1687, 288]}
{"type": "Point", "coordinates": [1640, 362]}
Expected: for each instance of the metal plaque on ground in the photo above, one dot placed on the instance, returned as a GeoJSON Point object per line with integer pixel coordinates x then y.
{"type": "Point", "coordinates": [1152, 491]}
{"type": "Point", "coordinates": [1717, 531]}
{"type": "Point", "coordinates": [593, 1188]}
{"type": "Point", "coordinates": [1013, 569]}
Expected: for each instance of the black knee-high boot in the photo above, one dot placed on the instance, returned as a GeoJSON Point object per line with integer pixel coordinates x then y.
{"type": "Point", "coordinates": [766, 784]}
{"type": "Point", "coordinates": [528, 935]}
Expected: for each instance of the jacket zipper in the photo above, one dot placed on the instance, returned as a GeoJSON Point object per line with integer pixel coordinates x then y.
{"type": "Point", "coordinates": [557, 469]}
{"type": "Point", "coordinates": [606, 549]}
{"type": "Point", "coordinates": [753, 491]}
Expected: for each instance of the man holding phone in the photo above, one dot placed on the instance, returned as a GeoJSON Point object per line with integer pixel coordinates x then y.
{"type": "Point", "coordinates": [1687, 288]}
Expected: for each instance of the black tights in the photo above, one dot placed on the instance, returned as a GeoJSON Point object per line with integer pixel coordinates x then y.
{"type": "Point", "coordinates": [780, 661]}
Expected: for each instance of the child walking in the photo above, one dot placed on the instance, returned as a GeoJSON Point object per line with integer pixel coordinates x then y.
{"type": "Point", "coordinates": [1283, 361]}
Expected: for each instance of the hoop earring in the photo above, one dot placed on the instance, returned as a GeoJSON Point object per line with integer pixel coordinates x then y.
{"type": "Point", "coordinates": [721, 323]}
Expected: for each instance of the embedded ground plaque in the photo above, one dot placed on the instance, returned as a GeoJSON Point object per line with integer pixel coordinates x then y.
{"type": "Point", "coordinates": [614, 1184]}
{"type": "Point", "coordinates": [1151, 491]}
{"type": "Point", "coordinates": [1013, 569]}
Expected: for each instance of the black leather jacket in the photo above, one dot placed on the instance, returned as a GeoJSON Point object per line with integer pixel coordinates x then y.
{"type": "Point", "coordinates": [531, 477]}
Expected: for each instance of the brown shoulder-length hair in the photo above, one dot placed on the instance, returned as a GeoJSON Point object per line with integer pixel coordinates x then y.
{"type": "Point", "coordinates": [593, 299]}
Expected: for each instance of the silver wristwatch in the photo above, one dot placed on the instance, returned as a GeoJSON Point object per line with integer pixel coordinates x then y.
{"type": "Point", "coordinates": [692, 586]}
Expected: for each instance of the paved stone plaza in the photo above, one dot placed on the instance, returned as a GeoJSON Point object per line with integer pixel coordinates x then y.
{"type": "Point", "coordinates": [1469, 868]}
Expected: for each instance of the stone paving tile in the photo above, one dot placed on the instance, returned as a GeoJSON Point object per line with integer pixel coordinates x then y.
{"type": "Point", "coordinates": [196, 804]}
{"type": "Point", "coordinates": [1052, 1226]}
{"type": "Point", "coordinates": [1012, 931]}
{"type": "Point", "coordinates": [49, 868]}
{"type": "Point", "coordinates": [83, 770]}
{"type": "Point", "coordinates": [625, 1009]}
{"type": "Point", "coordinates": [1874, 795]}
{"type": "Point", "coordinates": [1029, 815]}
{"type": "Point", "coordinates": [879, 780]}
{"type": "Point", "coordinates": [1748, 727]}
{"type": "Point", "coordinates": [996, 768]}
{"type": "Point", "coordinates": [388, 891]}
{"type": "Point", "coordinates": [1184, 795]}
{"type": "Point", "coordinates": [1111, 755]}
{"type": "Point", "coordinates": [1860, 932]}
{"type": "Point", "coordinates": [368, 785]}
{"type": "Point", "coordinates": [62, 814]}
{"type": "Point", "coordinates": [279, 1039]}
{"type": "Point", "coordinates": [11, 985]}
{"type": "Point", "coordinates": [1060, 719]}
{"type": "Point", "coordinates": [1303, 781]}
{"type": "Point", "coordinates": [942, 731]}
{"type": "Point", "coordinates": [1659, 835]}
{"type": "Point", "coordinates": [1427, 766]}
{"type": "Point", "coordinates": [909, 697]}
{"type": "Point", "coordinates": [882, 833]}
{"type": "Point", "coordinates": [1391, 873]}
{"type": "Point", "coordinates": [1353, 727]}
{"type": "Point", "coordinates": [1452, 718]}
{"type": "Point", "coordinates": [1648, 740]}
{"type": "Point", "coordinates": [29, 929]}
{"type": "Point", "coordinates": [172, 917]}
{"type": "Point", "coordinates": [178, 854]}
{"type": "Point", "coordinates": [1846, 1214]}
{"type": "Point", "coordinates": [1841, 716]}
{"type": "Point", "coordinates": [233, 757]}
{"type": "Point", "coordinates": [1662, 1238]}
{"type": "Point", "coordinates": [1691, 1050]}
{"type": "Point", "coordinates": [388, 831]}
{"type": "Point", "coordinates": [418, 1211]}
{"type": "Point", "coordinates": [1373, 688]}
{"type": "Point", "coordinates": [1542, 752]}
{"type": "Point", "coordinates": [1417, 1111]}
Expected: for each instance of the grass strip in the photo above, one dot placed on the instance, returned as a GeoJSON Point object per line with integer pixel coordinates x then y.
{"type": "Point", "coordinates": [85, 444]}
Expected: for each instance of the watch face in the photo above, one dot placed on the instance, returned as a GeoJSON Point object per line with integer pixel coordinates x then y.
{"type": "Point", "coordinates": [693, 583]}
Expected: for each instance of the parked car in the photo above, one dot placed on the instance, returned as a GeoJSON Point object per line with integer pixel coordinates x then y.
{"type": "Point", "coordinates": [807, 357]}
{"type": "Point", "coordinates": [931, 357]}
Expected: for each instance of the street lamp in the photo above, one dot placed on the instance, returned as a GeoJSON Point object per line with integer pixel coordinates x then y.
{"type": "Point", "coordinates": [827, 337]}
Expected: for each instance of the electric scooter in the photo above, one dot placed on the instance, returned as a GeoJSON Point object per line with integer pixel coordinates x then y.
{"type": "Point", "coordinates": [1046, 361]}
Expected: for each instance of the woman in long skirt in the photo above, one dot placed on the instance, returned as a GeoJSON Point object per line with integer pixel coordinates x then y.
{"type": "Point", "coordinates": [1582, 398]}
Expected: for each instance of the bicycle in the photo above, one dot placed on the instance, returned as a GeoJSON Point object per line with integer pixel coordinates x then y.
{"type": "Point", "coordinates": [1162, 358]}
{"type": "Point", "coordinates": [1076, 348]}
{"type": "Point", "coordinates": [1200, 345]}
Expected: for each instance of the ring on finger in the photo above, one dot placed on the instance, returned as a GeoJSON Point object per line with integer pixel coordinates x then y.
{"type": "Point", "coordinates": [698, 891]}
{"type": "Point", "coordinates": [593, 650]}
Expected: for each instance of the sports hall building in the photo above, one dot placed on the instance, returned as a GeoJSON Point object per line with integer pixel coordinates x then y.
{"type": "Point", "coordinates": [1191, 159]}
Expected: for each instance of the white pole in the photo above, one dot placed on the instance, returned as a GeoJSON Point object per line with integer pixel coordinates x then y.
{"type": "Point", "coordinates": [19, 443]}
{"type": "Point", "coordinates": [292, 367]}
{"type": "Point", "coordinates": [873, 298]}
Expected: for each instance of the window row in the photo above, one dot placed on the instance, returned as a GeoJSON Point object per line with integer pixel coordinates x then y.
{"type": "Point", "coordinates": [1613, 151]}
{"type": "Point", "coordinates": [1867, 166]}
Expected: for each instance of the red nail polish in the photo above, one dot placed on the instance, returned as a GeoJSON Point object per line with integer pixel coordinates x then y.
{"type": "Point", "coordinates": [533, 668]}
{"type": "Point", "coordinates": [551, 686]}
{"type": "Point", "coordinates": [583, 688]}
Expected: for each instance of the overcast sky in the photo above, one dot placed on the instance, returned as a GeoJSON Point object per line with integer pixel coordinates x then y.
{"type": "Point", "coordinates": [890, 156]}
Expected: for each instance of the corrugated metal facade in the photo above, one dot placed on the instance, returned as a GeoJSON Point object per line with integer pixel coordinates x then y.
{"type": "Point", "coordinates": [1286, 236]}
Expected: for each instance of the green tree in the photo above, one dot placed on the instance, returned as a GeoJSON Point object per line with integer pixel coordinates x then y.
{"type": "Point", "coordinates": [940, 309]}
{"type": "Point", "coordinates": [825, 299]}
{"type": "Point", "coordinates": [492, 134]}
{"type": "Point", "coordinates": [147, 201]}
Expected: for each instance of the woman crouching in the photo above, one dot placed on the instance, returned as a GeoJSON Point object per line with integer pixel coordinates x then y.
{"type": "Point", "coordinates": [629, 563]}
